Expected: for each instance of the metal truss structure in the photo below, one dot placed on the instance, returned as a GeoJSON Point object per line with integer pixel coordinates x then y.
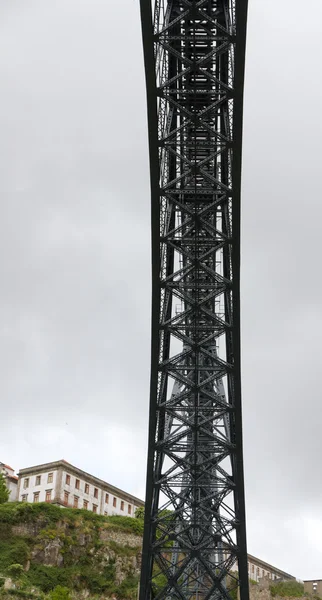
{"type": "Point", "coordinates": [195, 538]}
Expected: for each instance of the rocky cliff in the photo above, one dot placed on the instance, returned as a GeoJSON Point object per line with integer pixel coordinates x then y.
{"type": "Point", "coordinates": [44, 547]}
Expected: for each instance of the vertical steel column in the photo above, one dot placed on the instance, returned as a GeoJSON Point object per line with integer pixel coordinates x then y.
{"type": "Point", "coordinates": [195, 539]}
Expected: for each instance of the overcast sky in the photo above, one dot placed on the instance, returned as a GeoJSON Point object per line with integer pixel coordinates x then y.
{"type": "Point", "coordinates": [75, 256]}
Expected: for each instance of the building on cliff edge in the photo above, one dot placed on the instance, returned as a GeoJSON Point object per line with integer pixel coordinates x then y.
{"type": "Point", "coordinates": [258, 569]}
{"type": "Point", "coordinates": [63, 484]}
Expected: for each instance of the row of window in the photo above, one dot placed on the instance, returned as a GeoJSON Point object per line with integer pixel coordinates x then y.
{"type": "Point", "coordinates": [77, 486]}
{"type": "Point", "coordinates": [26, 481]}
{"type": "Point", "coordinates": [76, 503]}
{"type": "Point", "coordinates": [50, 478]}
{"type": "Point", "coordinates": [85, 503]}
{"type": "Point", "coordinates": [259, 572]}
{"type": "Point", "coordinates": [48, 496]}
{"type": "Point", "coordinates": [87, 491]}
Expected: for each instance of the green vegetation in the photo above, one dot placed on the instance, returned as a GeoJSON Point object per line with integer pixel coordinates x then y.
{"type": "Point", "coordinates": [15, 571]}
{"type": "Point", "coordinates": [83, 548]}
{"type": "Point", "coordinates": [13, 550]}
{"type": "Point", "coordinates": [15, 513]}
{"type": "Point", "coordinates": [4, 492]}
{"type": "Point", "coordinates": [139, 513]}
{"type": "Point", "coordinates": [287, 588]}
{"type": "Point", "coordinates": [86, 552]}
{"type": "Point", "coordinates": [127, 524]}
{"type": "Point", "coordinates": [60, 593]}
{"type": "Point", "coordinates": [232, 584]}
{"type": "Point", "coordinates": [129, 588]}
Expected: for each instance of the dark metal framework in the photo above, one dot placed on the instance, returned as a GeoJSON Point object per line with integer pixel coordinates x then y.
{"type": "Point", "coordinates": [195, 539]}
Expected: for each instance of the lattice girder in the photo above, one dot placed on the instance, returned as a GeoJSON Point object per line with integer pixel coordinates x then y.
{"type": "Point", "coordinates": [195, 521]}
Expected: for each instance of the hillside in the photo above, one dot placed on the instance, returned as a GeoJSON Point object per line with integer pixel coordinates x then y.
{"type": "Point", "coordinates": [50, 553]}
{"type": "Point", "coordinates": [54, 553]}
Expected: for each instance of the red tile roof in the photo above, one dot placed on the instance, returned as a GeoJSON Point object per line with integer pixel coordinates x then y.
{"type": "Point", "coordinates": [7, 466]}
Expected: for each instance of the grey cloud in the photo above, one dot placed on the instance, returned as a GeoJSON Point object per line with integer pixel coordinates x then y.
{"type": "Point", "coordinates": [75, 255]}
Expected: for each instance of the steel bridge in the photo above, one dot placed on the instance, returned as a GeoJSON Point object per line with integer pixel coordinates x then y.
{"type": "Point", "coordinates": [194, 544]}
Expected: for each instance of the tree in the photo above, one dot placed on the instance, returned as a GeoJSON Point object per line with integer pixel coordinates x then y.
{"type": "Point", "coordinates": [4, 492]}
{"type": "Point", "coordinates": [139, 513]}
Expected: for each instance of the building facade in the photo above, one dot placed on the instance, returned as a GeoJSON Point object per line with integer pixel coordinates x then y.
{"type": "Point", "coordinates": [257, 569]}
{"type": "Point", "coordinates": [63, 484]}
{"type": "Point", "coordinates": [11, 481]}
{"type": "Point", "coordinates": [313, 586]}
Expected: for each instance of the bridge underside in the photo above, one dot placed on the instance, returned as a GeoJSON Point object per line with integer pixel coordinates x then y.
{"type": "Point", "coordinates": [195, 540]}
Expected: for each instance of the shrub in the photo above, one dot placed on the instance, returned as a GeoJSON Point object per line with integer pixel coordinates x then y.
{"type": "Point", "coordinates": [8, 512]}
{"type": "Point", "coordinates": [121, 550]}
{"type": "Point", "coordinates": [128, 588]}
{"type": "Point", "coordinates": [15, 570]}
{"type": "Point", "coordinates": [126, 523]}
{"type": "Point", "coordinates": [287, 588]}
{"type": "Point", "coordinates": [47, 578]}
{"type": "Point", "coordinates": [59, 593]}
{"type": "Point", "coordinates": [22, 512]}
{"type": "Point", "coordinates": [99, 582]}
{"type": "Point", "coordinates": [5, 531]}
{"type": "Point", "coordinates": [13, 551]}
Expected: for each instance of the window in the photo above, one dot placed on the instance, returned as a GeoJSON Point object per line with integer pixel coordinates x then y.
{"type": "Point", "coordinates": [95, 493]}
{"type": "Point", "coordinates": [24, 497]}
{"type": "Point", "coordinates": [38, 480]}
{"type": "Point", "coordinates": [75, 505]}
{"type": "Point", "coordinates": [253, 568]}
{"type": "Point", "coordinates": [86, 488]}
{"type": "Point", "coordinates": [36, 496]}
{"type": "Point", "coordinates": [105, 513]}
{"type": "Point", "coordinates": [48, 495]}
{"type": "Point", "coordinates": [77, 484]}
{"type": "Point", "coordinates": [66, 496]}
{"type": "Point", "coordinates": [107, 498]}
{"type": "Point", "coordinates": [122, 505]}
{"type": "Point", "coordinates": [26, 483]}
{"type": "Point", "coordinates": [114, 502]}
{"type": "Point", "coordinates": [95, 508]}
{"type": "Point", "coordinates": [67, 479]}
{"type": "Point", "coordinates": [50, 477]}
{"type": "Point", "coordinates": [85, 504]}
{"type": "Point", "coordinates": [129, 509]}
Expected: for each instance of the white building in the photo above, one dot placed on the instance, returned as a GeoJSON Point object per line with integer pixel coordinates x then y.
{"type": "Point", "coordinates": [11, 481]}
{"type": "Point", "coordinates": [63, 484]}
